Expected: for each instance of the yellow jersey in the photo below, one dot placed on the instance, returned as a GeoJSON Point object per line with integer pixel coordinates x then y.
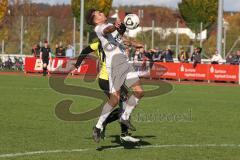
{"type": "Point", "coordinates": [103, 72]}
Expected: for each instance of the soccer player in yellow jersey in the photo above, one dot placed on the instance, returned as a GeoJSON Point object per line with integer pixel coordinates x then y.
{"type": "Point", "coordinates": [104, 85]}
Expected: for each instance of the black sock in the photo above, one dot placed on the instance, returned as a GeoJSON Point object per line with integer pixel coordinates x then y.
{"type": "Point", "coordinates": [114, 115]}
{"type": "Point", "coordinates": [124, 129]}
{"type": "Point", "coordinates": [44, 71]}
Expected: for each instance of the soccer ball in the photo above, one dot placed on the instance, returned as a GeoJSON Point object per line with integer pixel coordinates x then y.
{"type": "Point", "coordinates": [131, 21]}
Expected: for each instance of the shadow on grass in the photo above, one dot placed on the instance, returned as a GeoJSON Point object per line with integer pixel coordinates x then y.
{"type": "Point", "coordinates": [125, 145]}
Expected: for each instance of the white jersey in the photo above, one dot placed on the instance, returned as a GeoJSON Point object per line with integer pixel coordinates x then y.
{"type": "Point", "coordinates": [112, 45]}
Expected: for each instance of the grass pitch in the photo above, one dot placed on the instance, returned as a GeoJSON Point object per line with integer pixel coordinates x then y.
{"type": "Point", "coordinates": [190, 122]}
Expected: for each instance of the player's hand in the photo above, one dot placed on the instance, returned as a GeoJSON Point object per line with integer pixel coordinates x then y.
{"type": "Point", "coordinates": [118, 23]}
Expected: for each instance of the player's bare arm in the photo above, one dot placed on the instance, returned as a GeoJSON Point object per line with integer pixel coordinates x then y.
{"type": "Point", "coordinates": [111, 29]}
{"type": "Point", "coordinates": [40, 56]}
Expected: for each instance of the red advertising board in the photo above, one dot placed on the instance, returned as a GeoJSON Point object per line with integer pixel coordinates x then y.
{"type": "Point", "coordinates": [200, 72]}
{"type": "Point", "coordinates": [224, 73]}
{"type": "Point", "coordinates": [165, 70]}
{"type": "Point", "coordinates": [187, 71]}
{"type": "Point", "coordinates": [61, 65]}
{"type": "Point", "coordinates": [158, 70]}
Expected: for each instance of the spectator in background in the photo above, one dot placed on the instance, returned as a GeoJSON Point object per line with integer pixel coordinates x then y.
{"type": "Point", "coordinates": [132, 51]}
{"type": "Point", "coordinates": [230, 59]}
{"type": "Point", "coordinates": [141, 54]}
{"type": "Point", "coordinates": [60, 51]}
{"type": "Point", "coordinates": [127, 52]}
{"type": "Point", "coordinates": [70, 51]}
{"type": "Point", "coordinates": [168, 55]}
{"type": "Point", "coordinates": [161, 55]}
{"type": "Point", "coordinates": [57, 50]}
{"type": "Point", "coordinates": [183, 56]}
{"type": "Point", "coordinates": [237, 58]}
{"type": "Point", "coordinates": [196, 56]}
{"type": "Point", "coordinates": [149, 55]}
{"type": "Point", "coordinates": [156, 55]}
{"type": "Point", "coordinates": [1, 63]}
{"type": "Point", "coordinates": [216, 58]}
{"type": "Point", "coordinates": [36, 50]}
{"type": "Point", "coordinates": [136, 56]}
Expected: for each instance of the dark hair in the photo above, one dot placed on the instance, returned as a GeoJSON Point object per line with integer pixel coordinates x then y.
{"type": "Point", "coordinates": [200, 49]}
{"type": "Point", "coordinates": [89, 17]}
{"type": "Point", "coordinates": [93, 37]}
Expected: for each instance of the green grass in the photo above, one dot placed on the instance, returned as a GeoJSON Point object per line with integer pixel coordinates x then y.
{"type": "Point", "coordinates": [28, 123]}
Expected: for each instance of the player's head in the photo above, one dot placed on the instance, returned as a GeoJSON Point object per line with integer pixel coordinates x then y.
{"type": "Point", "coordinates": [46, 43]}
{"type": "Point", "coordinates": [199, 50]}
{"type": "Point", "coordinates": [95, 17]}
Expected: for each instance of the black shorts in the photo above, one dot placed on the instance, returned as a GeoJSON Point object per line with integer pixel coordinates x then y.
{"type": "Point", "coordinates": [104, 85]}
{"type": "Point", "coordinates": [45, 61]}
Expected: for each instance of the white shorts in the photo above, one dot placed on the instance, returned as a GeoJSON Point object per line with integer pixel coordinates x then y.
{"type": "Point", "coordinates": [122, 74]}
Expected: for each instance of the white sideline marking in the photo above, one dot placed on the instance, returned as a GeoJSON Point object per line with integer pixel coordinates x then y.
{"type": "Point", "coordinates": [40, 152]}
{"type": "Point", "coordinates": [120, 147]}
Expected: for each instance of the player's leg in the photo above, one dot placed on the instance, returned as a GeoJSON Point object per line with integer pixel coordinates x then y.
{"type": "Point", "coordinates": [116, 79]}
{"type": "Point", "coordinates": [133, 100]}
{"type": "Point", "coordinates": [125, 135]}
{"type": "Point", "coordinates": [114, 115]}
{"type": "Point", "coordinates": [45, 67]}
{"type": "Point", "coordinates": [132, 81]}
{"type": "Point", "coordinates": [122, 105]}
{"type": "Point", "coordinates": [115, 84]}
{"type": "Point", "coordinates": [106, 110]}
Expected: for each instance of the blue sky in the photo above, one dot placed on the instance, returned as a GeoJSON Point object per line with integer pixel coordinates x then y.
{"type": "Point", "coordinates": [229, 5]}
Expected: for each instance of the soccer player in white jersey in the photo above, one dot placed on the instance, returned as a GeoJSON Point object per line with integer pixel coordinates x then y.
{"type": "Point", "coordinates": [119, 70]}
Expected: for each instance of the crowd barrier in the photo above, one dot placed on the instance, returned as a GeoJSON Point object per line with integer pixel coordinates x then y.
{"type": "Point", "coordinates": [177, 71]}
{"type": "Point", "coordinates": [186, 71]}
